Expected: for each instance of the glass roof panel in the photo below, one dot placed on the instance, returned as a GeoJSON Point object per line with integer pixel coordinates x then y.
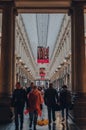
{"type": "Point", "coordinates": [42, 29]}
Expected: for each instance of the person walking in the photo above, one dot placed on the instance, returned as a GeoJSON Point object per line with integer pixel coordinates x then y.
{"type": "Point", "coordinates": [34, 106]}
{"type": "Point", "coordinates": [18, 102]}
{"type": "Point", "coordinates": [50, 99]}
{"type": "Point", "coordinates": [29, 88]}
{"type": "Point", "coordinates": [65, 101]}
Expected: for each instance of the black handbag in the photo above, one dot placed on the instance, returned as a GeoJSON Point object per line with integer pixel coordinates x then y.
{"type": "Point", "coordinates": [57, 107]}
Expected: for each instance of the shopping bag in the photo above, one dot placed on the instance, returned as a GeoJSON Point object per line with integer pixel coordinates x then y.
{"type": "Point", "coordinates": [42, 122]}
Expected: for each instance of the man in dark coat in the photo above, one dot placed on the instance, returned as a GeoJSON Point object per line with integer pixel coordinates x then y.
{"type": "Point", "coordinates": [50, 99]}
{"type": "Point", "coordinates": [65, 100]}
{"type": "Point", "coordinates": [18, 102]}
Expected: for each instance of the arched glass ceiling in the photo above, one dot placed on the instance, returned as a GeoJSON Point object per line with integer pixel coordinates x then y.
{"type": "Point", "coordinates": [42, 29]}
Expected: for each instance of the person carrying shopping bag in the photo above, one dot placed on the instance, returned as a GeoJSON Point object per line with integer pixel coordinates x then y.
{"type": "Point", "coordinates": [34, 106]}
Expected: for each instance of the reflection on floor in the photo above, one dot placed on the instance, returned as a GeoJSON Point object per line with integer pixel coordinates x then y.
{"type": "Point", "coordinates": [56, 126]}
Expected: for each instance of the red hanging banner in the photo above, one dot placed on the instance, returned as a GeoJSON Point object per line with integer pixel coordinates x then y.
{"type": "Point", "coordinates": [42, 54]}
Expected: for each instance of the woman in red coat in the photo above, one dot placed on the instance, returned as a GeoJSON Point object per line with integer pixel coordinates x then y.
{"type": "Point", "coordinates": [34, 103]}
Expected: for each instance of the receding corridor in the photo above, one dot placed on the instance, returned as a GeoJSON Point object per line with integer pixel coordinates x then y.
{"type": "Point", "coordinates": [43, 41]}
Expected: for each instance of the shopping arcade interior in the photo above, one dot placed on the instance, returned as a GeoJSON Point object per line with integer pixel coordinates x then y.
{"type": "Point", "coordinates": [76, 89]}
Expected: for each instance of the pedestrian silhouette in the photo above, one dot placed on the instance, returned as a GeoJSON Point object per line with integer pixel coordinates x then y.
{"type": "Point", "coordinates": [50, 99]}
{"type": "Point", "coordinates": [18, 102]}
{"type": "Point", "coordinates": [65, 101]}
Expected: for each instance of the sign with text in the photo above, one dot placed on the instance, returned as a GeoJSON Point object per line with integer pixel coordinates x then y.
{"type": "Point", "coordinates": [42, 54]}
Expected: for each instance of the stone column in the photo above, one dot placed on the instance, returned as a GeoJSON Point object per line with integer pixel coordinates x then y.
{"type": "Point", "coordinates": [7, 61]}
{"type": "Point", "coordinates": [78, 63]}
{"type": "Point", "coordinates": [78, 49]}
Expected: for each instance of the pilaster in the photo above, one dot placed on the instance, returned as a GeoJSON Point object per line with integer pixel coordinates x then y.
{"type": "Point", "coordinates": [7, 60]}
{"type": "Point", "coordinates": [78, 63]}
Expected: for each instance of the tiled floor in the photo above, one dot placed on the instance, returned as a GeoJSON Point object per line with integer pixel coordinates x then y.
{"type": "Point", "coordinates": [58, 126]}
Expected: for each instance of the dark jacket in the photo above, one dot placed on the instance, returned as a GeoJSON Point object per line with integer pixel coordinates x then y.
{"type": "Point", "coordinates": [50, 97]}
{"type": "Point", "coordinates": [19, 98]}
{"type": "Point", "coordinates": [65, 98]}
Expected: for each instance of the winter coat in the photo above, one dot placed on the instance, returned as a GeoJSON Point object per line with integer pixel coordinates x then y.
{"type": "Point", "coordinates": [50, 97]}
{"type": "Point", "coordinates": [18, 98]}
{"type": "Point", "coordinates": [34, 101]}
{"type": "Point", "coordinates": [65, 98]}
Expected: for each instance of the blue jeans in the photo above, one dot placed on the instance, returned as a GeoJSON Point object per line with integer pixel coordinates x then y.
{"type": "Point", "coordinates": [33, 117]}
